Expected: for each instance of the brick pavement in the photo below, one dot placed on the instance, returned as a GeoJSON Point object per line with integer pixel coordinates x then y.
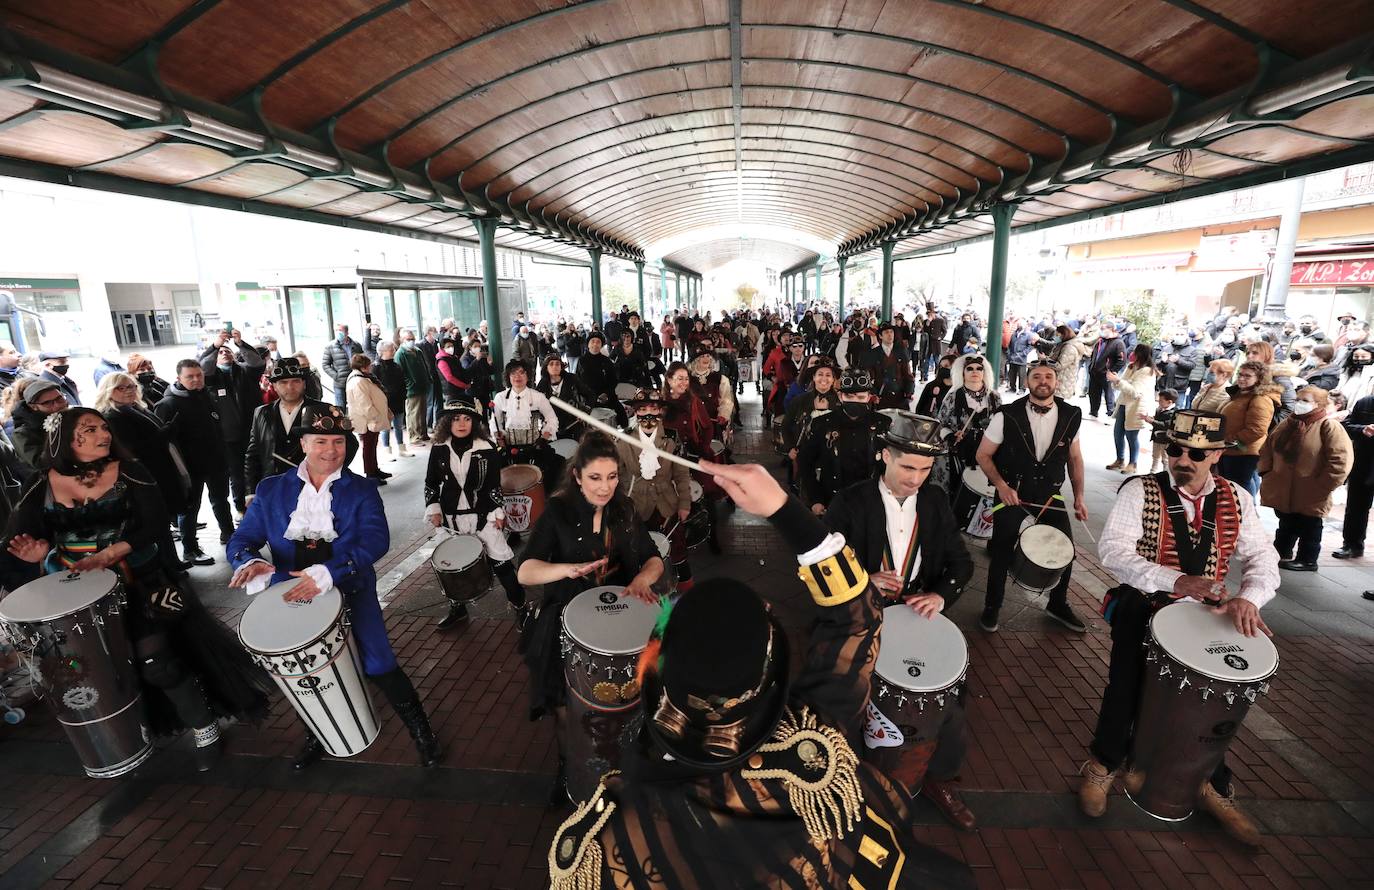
{"type": "Point", "coordinates": [477, 821]}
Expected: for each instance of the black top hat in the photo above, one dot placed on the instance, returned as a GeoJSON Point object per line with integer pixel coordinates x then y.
{"type": "Point", "coordinates": [1205, 430]}
{"type": "Point", "coordinates": [286, 369]}
{"type": "Point", "coordinates": [461, 405]}
{"type": "Point", "coordinates": [856, 380]}
{"type": "Point", "coordinates": [914, 434]}
{"type": "Point", "coordinates": [702, 350]}
{"type": "Point", "coordinates": [647, 397]}
{"type": "Point", "coordinates": [320, 418]}
{"type": "Point", "coordinates": [718, 686]}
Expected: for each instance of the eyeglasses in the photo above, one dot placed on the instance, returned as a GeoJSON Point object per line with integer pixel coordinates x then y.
{"type": "Point", "coordinates": [50, 401]}
{"type": "Point", "coordinates": [1196, 455]}
{"type": "Point", "coordinates": [122, 387]}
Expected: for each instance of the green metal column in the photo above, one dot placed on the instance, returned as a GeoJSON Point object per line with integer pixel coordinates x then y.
{"type": "Point", "coordinates": [819, 297]}
{"type": "Point", "coordinates": [595, 254]}
{"type": "Point", "coordinates": [997, 288]}
{"type": "Point", "coordinates": [677, 287]}
{"type": "Point", "coordinates": [805, 297]}
{"type": "Point", "coordinates": [663, 287]}
{"type": "Point", "coordinates": [887, 280]}
{"type": "Point", "coordinates": [491, 303]}
{"type": "Point", "coordinates": [839, 315]}
{"type": "Point", "coordinates": [639, 274]}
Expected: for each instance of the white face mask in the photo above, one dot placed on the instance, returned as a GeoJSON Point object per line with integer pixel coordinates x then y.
{"type": "Point", "coordinates": [1302, 407]}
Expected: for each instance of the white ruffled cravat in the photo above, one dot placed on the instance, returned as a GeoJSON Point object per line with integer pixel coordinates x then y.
{"type": "Point", "coordinates": [648, 460]}
{"type": "Point", "coordinates": [313, 518]}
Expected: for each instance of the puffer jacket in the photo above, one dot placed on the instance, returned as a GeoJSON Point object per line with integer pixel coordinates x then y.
{"type": "Point", "coordinates": [1133, 385]}
{"type": "Point", "coordinates": [1067, 356]}
{"type": "Point", "coordinates": [1304, 486]}
{"type": "Point", "coordinates": [1248, 415]}
{"type": "Point", "coordinates": [367, 406]}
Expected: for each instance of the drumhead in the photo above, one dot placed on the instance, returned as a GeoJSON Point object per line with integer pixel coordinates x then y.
{"type": "Point", "coordinates": [1206, 642]}
{"type": "Point", "coordinates": [1047, 546]}
{"type": "Point", "coordinates": [53, 596]}
{"type": "Point", "coordinates": [566, 448]}
{"type": "Point", "coordinates": [977, 481]}
{"type": "Point", "coordinates": [920, 654]}
{"type": "Point", "coordinates": [606, 621]}
{"type": "Point", "coordinates": [605, 415]}
{"type": "Point", "coordinates": [518, 478]}
{"type": "Point", "coordinates": [661, 542]}
{"type": "Point", "coordinates": [457, 553]}
{"type": "Point", "coordinates": [697, 491]}
{"type": "Point", "coordinates": [626, 391]}
{"type": "Point", "coordinates": [271, 625]}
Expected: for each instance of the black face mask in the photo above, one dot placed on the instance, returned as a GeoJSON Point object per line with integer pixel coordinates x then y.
{"type": "Point", "coordinates": [944, 374]}
{"type": "Point", "coordinates": [1306, 329]}
{"type": "Point", "coordinates": [146, 377]}
{"type": "Point", "coordinates": [1357, 361]}
{"type": "Point", "coordinates": [61, 370]}
{"type": "Point", "coordinates": [854, 410]}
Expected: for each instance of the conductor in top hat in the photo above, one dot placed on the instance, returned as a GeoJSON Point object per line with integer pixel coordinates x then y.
{"type": "Point", "coordinates": [905, 536]}
{"type": "Point", "coordinates": [1170, 536]}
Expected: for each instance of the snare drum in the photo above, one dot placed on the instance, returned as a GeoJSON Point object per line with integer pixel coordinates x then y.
{"type": "Point", "coordinates": [1043, 553]}
{"type": "Point", "coordinates": [667, 582]}
{"type": "Point", "coordinates": [567, 448]}
{"type": "Point", "coordinates": [462, 569]}
{"type": "Point", "coordinates": [308, 650]}
{"type": "Point", "coordinates": [83, 659]}
{"type": "Point", "coordinates": [605, 415]}
{"type": "Point", "coordinates": [973, 503]}
{"type": "Point", "coordinates": [1201, 676]}
{"type": "Point", "coordinates": [523, 436]}
{"type": "Point", "coordinates": [603, 633]}
{"type": "Point", "coordinates": [626, 392]}
{"type": "Point", "coordinates": [522, 487]}
{"type": "Point", "coordinates": [920, 673]}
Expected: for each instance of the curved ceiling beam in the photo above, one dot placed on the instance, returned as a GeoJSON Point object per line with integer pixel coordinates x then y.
{"type": "Point", "coordinates": [173, 27]}
{"type": "Point", "coordinates": [752, 86]}
{"type": "Point", "coordinates": [827, 226]}
{"type": "Point", "coordinates": [692, 197]}
{"type": "Point", "coordinates": [323, 43]}
{"type": "Point", "coordinates": [686, 222]}
{"type": "Point", "coordinates": [528, 182]}
{"type": "Point", "coordinates": [1220, 21]}
{"type": "Point", "coordinates": [906, 78]}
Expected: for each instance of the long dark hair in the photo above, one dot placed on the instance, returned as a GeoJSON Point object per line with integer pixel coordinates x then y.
{"type": "Point", "coordinates": [443, 430]}
{"type": "Point", "coordinates": [1142, 356]}
{"type": "Point", "coordinates": [592, 447]}
{"type": "Point", "coordinates": [57, 451]}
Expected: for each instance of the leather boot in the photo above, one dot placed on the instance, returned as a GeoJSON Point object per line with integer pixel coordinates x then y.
{"type": "Point", "coordinates": [947, 801]}
{"type": "Point", "coordinates": [1097, 784]}
{"type": "Point", "coordinates": [1233, 821]}
{"type": "Point", "coordinates": [312, 751]}
{"type": "Point", "coordinates": [505, 573]}
{"type": "Point", "coordinates": [412, 714]}
{"type": "Point", "coordinates": [456, 612]}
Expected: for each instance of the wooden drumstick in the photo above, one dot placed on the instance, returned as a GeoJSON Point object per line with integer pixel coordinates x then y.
{"type": "Point", "coordinates": [633, 440]}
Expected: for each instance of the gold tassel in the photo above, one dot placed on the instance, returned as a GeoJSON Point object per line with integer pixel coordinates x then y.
{"type": "Point", "coordinates": [584, 872]}
{"type": "Point", "coordinates": [829, 805]}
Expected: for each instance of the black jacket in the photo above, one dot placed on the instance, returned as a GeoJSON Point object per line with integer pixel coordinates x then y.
{"type": "Point", "coordinates": [857, 513]}
{"type": "Point", "coordinates": [1107, 355]}
{"type": "Point", "coordinates": [1361, 414]}
{"type": "Point", "coordinates": [839, 452]}
{"type": "Point", "coordinates": [195, 427]}
{"type": "Point", "coordinates": [598, 372]}
{"type": "Point", "coordinates": [236, 394]}
{"type": "Point", "coordinates": [271, 450]}
{"type": "Point", "coordinates": [482, 485]}
{"type": "Point", "coordinates": [431, 353]}
{"type": "Point", "coordinates": [150, 440]}
{"type": "Point", "coordinates": [393, 382]}
{"type": "Point", "coordinates": [572, 390]}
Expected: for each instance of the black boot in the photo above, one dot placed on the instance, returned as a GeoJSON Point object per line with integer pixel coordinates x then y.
{"type": "Point", "coordinates": [412, 714]}
{"type": "Point", "coordinates": [312, 751]}
{"type": "Point", "coordinates": [457, 612]}
{"type": "Point", "coordinates": [188, 699]}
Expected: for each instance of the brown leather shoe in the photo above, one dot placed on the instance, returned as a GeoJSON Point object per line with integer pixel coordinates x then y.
{"type": "Point", "coordinates": [1233, 820]}
{"type": "Point", "coordinates": [1134, 780]}
{"type": "Point", "coordinates": [947, 801]}
{"type": "Point", "coordinates": [1097, 784]}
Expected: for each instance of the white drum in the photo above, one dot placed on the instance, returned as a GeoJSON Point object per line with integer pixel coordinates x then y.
{"type": "Point", "coordinates": [661, 542]}
{"type": "Point", "coordinates": [973, 503]}
{"type": "Point", "coordinates": [697, 491]}
{"type": "Point", "coordinates": [308, 650]}
{"type": "Point", "coordinates": [921, 669]}
{"type": "Point", "coordinates": [626, 391]}
{"type": "Point", "coordinates": [605, 415]}
{"type": "Point", "coordinates": [1042, 555]}
{"type": "Point", "coordinates": [566, 448]}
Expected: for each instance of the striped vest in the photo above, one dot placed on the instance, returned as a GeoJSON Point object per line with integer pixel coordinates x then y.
{"type": "Point", "coordinates": [1220, 515]}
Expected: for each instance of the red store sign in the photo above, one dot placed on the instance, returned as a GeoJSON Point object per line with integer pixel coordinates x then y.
{"type": "Point", "coordinates": [1329, 273]}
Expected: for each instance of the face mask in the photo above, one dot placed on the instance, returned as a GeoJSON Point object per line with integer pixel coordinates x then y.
{"type": "Point", "coordinates": [146, 377]}
{"type": "Point", "coordinates": [1358, 360]}
{"type": "Point", "coordinates": [275, 355]}
{"type": "Point", "coordinates": [340, 336]}
{"type": "Point", "coordinates": [648, 421]}
{"type": "Point", "coordinates": [854, 410]}
{"type": "Point", "coordinates": [1295, 356]}
{"type": "Point", "coordinates": [944, 373]}
{"type": "Point", "coordinates": [1228, 338]}
{"type": "Point", "coordinates": [225, 368]}
{"type": "Point", "coordinates": [1303, 407]}
{"type": "Point", "coordinates": [1209, 377]}
{"type": "Point", "coordinates": [410, 343]}
{"type": "Point", "coordinates": [1180, 342]}
{"type": "Point", "coordinates": [1306, 329]}
{"type": "Point", "coordinates": [60, 370]}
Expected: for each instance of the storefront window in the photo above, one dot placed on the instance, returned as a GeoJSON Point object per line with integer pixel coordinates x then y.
{"type": "Point", "coordinates": [405, 302]}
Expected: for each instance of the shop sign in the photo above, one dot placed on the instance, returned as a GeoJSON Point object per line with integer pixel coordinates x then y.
{"type": "Point", "coordinates": [39, 284]}
{"type": "Point", "coordinates": [1240, 252]}
{"type": "Point", "coordinates": [1332, 273]}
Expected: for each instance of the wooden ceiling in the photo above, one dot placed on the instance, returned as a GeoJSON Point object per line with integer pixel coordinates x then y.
{"type": "Point", "coordinates": [621, 123]}
{"type": "Point", "coordinates": [707, 256]}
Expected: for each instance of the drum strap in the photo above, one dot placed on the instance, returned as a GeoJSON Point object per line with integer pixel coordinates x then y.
{"type": "Point", "coordinates": [1193, 547]}
{"type": "Point", "coordinates": [911, 549]}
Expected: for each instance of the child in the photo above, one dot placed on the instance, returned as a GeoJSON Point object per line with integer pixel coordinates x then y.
{"type": "Point", "coordinates": [1162, 422]}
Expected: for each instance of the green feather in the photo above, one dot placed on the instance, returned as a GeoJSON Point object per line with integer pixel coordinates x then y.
{"type": "Point", "coordinates": [664, 613]}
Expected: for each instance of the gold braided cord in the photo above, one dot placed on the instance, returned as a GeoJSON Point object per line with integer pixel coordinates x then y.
{"type": "Point", "coordinates": [829, 804]}
{"type": "Point", "coordinates": [585, 871]}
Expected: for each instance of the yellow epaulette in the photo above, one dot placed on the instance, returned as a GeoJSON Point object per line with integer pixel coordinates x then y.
{"type": "Point", "coordinates": [836, 580]}
{"type": "Point", "coordinates": [575, 858]}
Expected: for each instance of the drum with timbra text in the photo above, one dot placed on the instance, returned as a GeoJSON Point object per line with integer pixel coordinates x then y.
{"type": "Point", "coordinates": [1042, 555]}
{"type": "Point", "coordinates": [1201, 676]}
{"type": "Point", "coordinates": [603, 633]}
{"type": "Point", "coordinates": [973, 502]}
{"type": "Point", "coordinates": [461, 567]}
{"type": "Point", "coordinates": [522, 489]}
{"type": "Point", "coordinates": [919, 677]}
{"type": "Point", "coordinates": [308, 649]}
{"type": "Point", "coordinates": [72, 626]}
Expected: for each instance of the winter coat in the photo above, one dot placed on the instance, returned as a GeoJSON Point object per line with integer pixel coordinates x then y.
{"type": "Point", "coordinates": [367, 406]}
{"type": "Point", "coordinates": [195, 428]}
{"type": "Point", "coordinates": [1175, 375]}
{"type": "Point", "coordinates": [1361, 415]}
{"type": "Point", "coordinates": [1212, 397]}
{"type": "Point", "coordinates": [1326, 377]}
{"type": "Point", "coordinates": [413, 368]}
{"type": "Point", "coordinates": [1133, 386]}
{"type": "Point", "coordinates": [150, 441]}
{"type": "Point", "coordinates": [1284, 375]}
{"type": "Point", "coordinates": [1067, 356]}
{"type": "Point", "coordinates": [337, 355]}
{"type": "Point", "coordinates": [1107, 355]}
{"type": "Point", "coordinates": [526, 349]}
{"type": "Point", "coordinates": [236, 395]}
{"type": "Point", "coordinates": [393, 382]}
{"type": "Point", "coordinates": [1018, 350]}
{"type": "Point", "coordinates": [1248, 415]}
{"type": "Point", "coordinates": [1304, 486]}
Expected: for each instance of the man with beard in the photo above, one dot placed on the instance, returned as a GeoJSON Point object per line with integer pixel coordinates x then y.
{"type": "Point", "coordinates": [964, 331]}
{"type": "Point", "coordinates": [842, 447]}
{"type": "Point", "coordinates": [1169, 537]}
{"type": "Point", "coordinates": [274, 444]}
{"type": "Point", "coordinates": [1026, 451]}
{"type": "Point", "coordinates": [890, 365]}
{"type": "Point", "coordinates": [907, 539]}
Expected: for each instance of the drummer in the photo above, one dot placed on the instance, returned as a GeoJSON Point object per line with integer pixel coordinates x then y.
{"type": "Point", "coordinates": [819, 397]}
{"type": "Point", "coordinates": [325, 524]}
{"type": "Point", "coordinates": [559, 382]}
{"type": "Point", "coordinates": [1210, 523]}
{"type": "Point", "coordinates": [588, 536]}
{"type": "Point", "coordinates": [513, 410]}
{"type": "Point", "coordinates": [842, 447]}
{"type": "Point", "coordinates": [716, 392]}
{"type": "Point", "coordinates": [463, 494]}
{"type": "Point", "coordinates": [964, 414]}
{"type": "Point", "coordinates": [898, 514]}
{"type": "Point", "coordinates": [1027, 449]}
{"type": "Point", "coordinates": [659, 489]}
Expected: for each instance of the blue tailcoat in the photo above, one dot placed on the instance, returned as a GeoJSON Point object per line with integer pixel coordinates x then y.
{"type": "Point", "coordinates": [363, 538]}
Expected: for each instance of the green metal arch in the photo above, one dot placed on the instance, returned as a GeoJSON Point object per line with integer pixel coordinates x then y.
{"type": "Point", "coordinates": [682, 193]}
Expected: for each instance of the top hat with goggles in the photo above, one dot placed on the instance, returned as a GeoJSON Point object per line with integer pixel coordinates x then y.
{"type": "Point", "coordinates": [1201, 430]}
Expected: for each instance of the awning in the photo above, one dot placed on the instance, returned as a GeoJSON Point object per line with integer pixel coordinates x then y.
{"type": "Point", "coordinates": [1356, 271]}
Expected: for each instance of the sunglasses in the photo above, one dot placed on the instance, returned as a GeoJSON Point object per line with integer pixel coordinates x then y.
{"type": "Point", "coordinates": [1196, 455]}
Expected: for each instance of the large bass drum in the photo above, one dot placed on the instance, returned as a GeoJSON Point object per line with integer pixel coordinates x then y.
{"type": "Point", "coordinates": [73, 624]}
{"type": "Point", "coordinates": [462, 569]}
{"type": "Point", "coordinates": [917, 681]}
{"type": "Point", "coordinates": [522, 488]}
{"type": "Point", "coordinates": [1201, 676]}
{"type": "Point", "coordinates": [603, 633]}
{"type": "Point", "coordinates": [309, 651]}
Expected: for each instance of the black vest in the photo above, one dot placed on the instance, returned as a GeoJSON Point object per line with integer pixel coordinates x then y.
{"type": "Point", "coordinates": [1035, 481]}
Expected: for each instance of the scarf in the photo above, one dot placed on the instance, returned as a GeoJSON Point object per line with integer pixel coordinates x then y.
{"type": "Point", "coordinates": [1288, 437]}
{"type": "Point", "coordinates": [648, 460]}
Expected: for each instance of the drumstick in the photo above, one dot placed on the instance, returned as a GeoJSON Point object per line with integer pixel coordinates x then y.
{"type": "Point", "coordinates": [633, 440]}
{"type": "Point", "coordinates": [1023, 504]}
